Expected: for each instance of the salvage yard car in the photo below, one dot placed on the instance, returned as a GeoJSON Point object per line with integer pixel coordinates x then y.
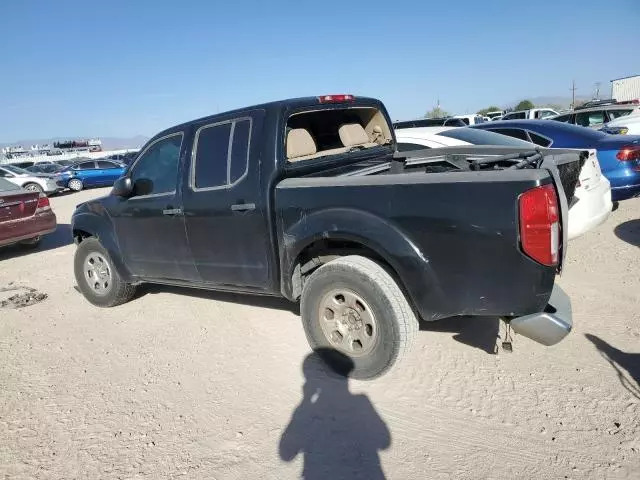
{"type": "Point", "coordinates": [308, 199]}
{"type": "Point", "coordinates": [89, 173]}
{"type": "Point", "coordinates": [25, 215]}
{"type": "Point", "coordinates": [591, 205]}
{"type": "Point", "coordinates": [33, 182]}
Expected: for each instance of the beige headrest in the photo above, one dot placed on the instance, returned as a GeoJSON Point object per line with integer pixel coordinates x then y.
{"type": "Point", "coordinates": [300, 143]}
{"type": "Point", "coordinates": [353, 134]}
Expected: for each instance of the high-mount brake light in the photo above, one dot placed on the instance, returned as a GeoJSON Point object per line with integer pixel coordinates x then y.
{"type": "Point", "coordinates": [341, 98]}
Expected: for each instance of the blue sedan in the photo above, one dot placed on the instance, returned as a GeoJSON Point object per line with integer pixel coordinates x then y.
{"type": "Point", "coordinates": [619, 155]}
{"type": "Point", "coordinates": [90, 173]}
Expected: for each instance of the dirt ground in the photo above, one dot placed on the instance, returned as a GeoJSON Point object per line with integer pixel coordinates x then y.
{"type": "Point", "coordinates": [191, 384]}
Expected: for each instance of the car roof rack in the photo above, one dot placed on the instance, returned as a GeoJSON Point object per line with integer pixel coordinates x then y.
{"type": "Point", "coordinates": [596, 103]}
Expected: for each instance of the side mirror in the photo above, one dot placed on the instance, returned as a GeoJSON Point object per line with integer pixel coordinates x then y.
{"type": "Point", "coordinates": [123, 187]}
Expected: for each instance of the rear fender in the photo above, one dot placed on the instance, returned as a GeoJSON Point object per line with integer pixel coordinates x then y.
{"type": "Point", "coordinates": [101, 227]}
{"type": "Point", "coordinates": [410, 264]}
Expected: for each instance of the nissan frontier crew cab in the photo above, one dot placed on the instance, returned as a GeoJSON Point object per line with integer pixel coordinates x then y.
{"type": "Point", "coordinates": [308, 199]}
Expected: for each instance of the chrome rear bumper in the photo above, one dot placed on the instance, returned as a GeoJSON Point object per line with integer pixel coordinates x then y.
{"type": "Point", "coordinates": [550, 326]}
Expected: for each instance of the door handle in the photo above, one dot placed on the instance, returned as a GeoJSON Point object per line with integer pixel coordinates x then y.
{"type": "Point", "coordinates": [243, 207]}
{"type": "Point", "coordinates": [172, 211]}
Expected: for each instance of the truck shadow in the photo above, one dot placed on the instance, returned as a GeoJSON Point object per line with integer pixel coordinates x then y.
{"type": "Point", "coordinates": [621, 361]}
{"type": "Point", "coordinates": [478, 332]}
{"type": "Point", "coordinates": [261, 301]}
{"type": "Point", "coordinates": [629, 232]}
{"type": "Point", "coordinates": [61, 237]}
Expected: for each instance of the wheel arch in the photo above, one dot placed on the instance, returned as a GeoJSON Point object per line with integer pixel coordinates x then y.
{"type": "Point", "coordinates": [85, 225]}
{"type": "Point", "coordinates": [318, 239]}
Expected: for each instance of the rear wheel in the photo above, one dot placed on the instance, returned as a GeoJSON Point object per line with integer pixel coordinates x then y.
{"type": "Point", "coordinates": [96, 277]}
{"type": "Point", "coordinates": [33, 187]}
{"type": "Point", "coordinates": [75, 184]}
{"type": "Point", "coordinates": [354, 312]}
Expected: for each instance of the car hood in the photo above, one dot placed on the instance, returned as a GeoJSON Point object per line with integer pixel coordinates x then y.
{"type": "Point", "coordinates": [623, 121]}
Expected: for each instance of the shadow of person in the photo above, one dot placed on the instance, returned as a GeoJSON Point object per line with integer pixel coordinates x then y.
{"type": "Point", "coordinates": [339, 434]}
{"type": "Point", "coordinates": [621, 361]}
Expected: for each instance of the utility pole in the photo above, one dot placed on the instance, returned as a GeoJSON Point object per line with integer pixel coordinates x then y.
{"type": "Point", "coordinates": [573, 94]}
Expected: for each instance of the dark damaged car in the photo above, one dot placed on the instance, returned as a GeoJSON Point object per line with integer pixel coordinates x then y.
{"type": "Point", "coordinates": [308, 199]}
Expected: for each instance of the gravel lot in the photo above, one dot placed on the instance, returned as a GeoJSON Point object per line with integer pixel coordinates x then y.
{"type": "Point", "coordinates": [191, 384]}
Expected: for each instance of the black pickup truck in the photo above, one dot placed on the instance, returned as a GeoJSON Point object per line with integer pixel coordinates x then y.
{"type": "Point", "coordinates": [308, 199]}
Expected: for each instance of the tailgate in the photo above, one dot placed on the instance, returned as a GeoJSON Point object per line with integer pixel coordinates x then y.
{"type": "Point", "coordinates": [18, 205]}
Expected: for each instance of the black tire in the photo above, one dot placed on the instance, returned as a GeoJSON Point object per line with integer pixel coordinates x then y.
{"type": "Point", "coordinates": [119, 291]}
{"type": "Point", "coordinates": [33, 187]}
{"type": "Point", "coordinates": [395, 320]}
{"type": "Point", "coordinates": [75, 185]}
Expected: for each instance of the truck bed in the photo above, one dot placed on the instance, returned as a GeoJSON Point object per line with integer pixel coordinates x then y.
{"type": "Point", "coordinates": [454, 235]}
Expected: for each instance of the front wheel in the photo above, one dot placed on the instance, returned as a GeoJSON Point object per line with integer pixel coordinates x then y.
{"type": "Point", "coordinates": [75, 184]}
{"type": "Point", "coordinates": [356, 317]}
{"type": "Point", "coordinates": [98, 280]}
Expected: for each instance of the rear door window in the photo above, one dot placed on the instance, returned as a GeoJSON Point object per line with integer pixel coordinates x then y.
{"type": "Point", "coordinates": [85, 166]}
{"type": "Point", "coordinates": [105, 165]}
{"type": "Point", "coordinates": [220, 154]}
{"type": "Point", "coordinates": [539, 139]}
{"type": "Point", "coordinates": [589, 119]}
{"type": "Point", "coordinates": [564, 118]}
{"type": "Point", "coordinates": [512, 132]}
{"type": "Point", "coordinates": [613, 114]}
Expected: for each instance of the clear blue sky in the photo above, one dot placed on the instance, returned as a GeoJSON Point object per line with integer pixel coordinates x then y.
{"type": "Point", "coordinates": [121, 68]}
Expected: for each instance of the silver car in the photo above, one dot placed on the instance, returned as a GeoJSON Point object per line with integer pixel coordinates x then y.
{"type": "Point", "coordinates": [595, 117]}
{"type": "Point", "coordinates": [33, 182]}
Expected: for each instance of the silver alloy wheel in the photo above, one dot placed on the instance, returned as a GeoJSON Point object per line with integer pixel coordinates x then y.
{"type": "Point", "coordinates": [32, 187]}
{"type": "Point", "coordinates": [97, 273]}
{"type": "Point", "coordinates": [75, 184]}
{"type": "Point", "coordinates": [348, 322]}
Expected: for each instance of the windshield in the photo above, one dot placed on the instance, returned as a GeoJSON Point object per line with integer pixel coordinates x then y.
{"type": "Point", "coordinates": [16, 170]}
{"type": "Point", "coordinates": [482, 137]}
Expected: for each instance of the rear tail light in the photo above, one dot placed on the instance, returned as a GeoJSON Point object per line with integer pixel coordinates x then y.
{"type": "Point", "coordinates": [43, 204]}
{"type": "Point", "coordinates": [539, 224]}
{"type": "Point", "coordinates": [629, 153]}
{"type": "Point", "coordinates": [335, 98]}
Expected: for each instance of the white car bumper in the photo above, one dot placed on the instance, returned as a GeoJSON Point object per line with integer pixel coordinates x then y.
{"type": "Point", "coordinates": [592, 209]}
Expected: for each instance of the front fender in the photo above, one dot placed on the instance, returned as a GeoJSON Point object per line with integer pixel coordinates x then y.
{"type": "Point", "coordinates": [388, 241]}
{"type": "Point", "coordinates": [96, 222]}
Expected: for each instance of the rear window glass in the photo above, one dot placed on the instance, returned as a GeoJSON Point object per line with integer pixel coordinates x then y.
{"type": "Point", "coordinates": [7, 186]}
{"type": "Point", "coordinates": [512, 132]}
{"type": "Point", "coordinates": [515, 115]}
{"type": "Point", "coordinates": [618, 113]}
{"type": "Point", "coordinates": [563, 118]}
{"type": "Point", "coordinates": [483, 137]}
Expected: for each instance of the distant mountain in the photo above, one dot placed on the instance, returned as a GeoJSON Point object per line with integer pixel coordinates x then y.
{"type": "Point", "coordinates": [563, 102]}
{"type": "Point", "coordinates": [108, 143]}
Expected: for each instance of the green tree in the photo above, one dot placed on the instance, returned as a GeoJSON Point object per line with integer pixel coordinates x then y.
{"type": "Point", "coordinates": [436, 112]}
{"type": "Point", "coordinates": [492, 108]}
{"type": "Point", "coordinates": [525, 105]}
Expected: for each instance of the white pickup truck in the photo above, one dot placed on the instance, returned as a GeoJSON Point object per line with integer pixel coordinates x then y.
{"type": "Point", "coordinates": [532, 114]}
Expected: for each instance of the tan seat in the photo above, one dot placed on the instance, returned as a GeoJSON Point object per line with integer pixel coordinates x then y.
{"type": "Point", "coordinates": [300, 144]}
{"type": "Point", "coordinates": [353, 135]}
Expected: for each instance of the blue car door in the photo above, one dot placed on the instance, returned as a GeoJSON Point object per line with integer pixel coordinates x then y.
{"type": "Point", "coordinates": [86, 171]}
{"type": "Point", "coordinates": [109, 172]}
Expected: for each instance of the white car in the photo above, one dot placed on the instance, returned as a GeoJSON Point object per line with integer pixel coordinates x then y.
{"type": "Point", "coordinates": [33, 182]}
{"type": "Point", "coordinates": [591, 204]}
{"type": "Point", "coordinates": [470, 119]}
{"type": "Point", "coordinates": [532, 114]}
{"type": "Point", "coordinates": [627, 125]}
